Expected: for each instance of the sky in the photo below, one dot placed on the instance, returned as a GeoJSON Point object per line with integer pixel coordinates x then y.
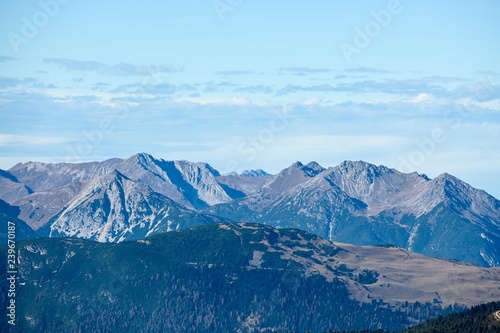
{"type": "Point", "coordinates": [412, 85]}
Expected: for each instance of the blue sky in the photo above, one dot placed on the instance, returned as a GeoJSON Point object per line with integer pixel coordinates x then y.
{"type": "Point", "coordinates": [251, 84]}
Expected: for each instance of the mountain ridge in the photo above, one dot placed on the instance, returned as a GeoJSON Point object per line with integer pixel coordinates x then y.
{"type": "Point", "coordinates": [353, 202]}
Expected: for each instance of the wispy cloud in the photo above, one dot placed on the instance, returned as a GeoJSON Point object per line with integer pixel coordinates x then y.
{"type": "Point", "coordinates": [367, 70]}
{"type": "Point", "coordinates": [481, 91]}
{"type": "Point", "coordinates": [84, 99]}
{"type": "Point", "coordinates": [219, 86]}
{"type": "Point", "coordinates": [227, 86]}
{"type": "Point", "coordinates": [75, 65]}
{"type": "Point", "coordinates": [121, 69]}
{"type": "Point", "coordinates": [159, 89]}
{"type": "Point", "coordinates": [444, 79]}
{"type": "Point", "coordinates": [392, 86]}
{"type": "Point", "coordinates": [256, 89]}
{"type": "Point", "coordinates": [9, 82]}
{"type": "Point", "coordinates": [491, 73]}
{"type": "Point", "coordinates": [100, 86]}
{"type": "Point", "coordinates": [10, 139]}
{"type": "Point", "coordinates": [290, 88]}
{"type": "Point", "coordinates": [234, 72]}
{"type": "Point", "coordinates": [304, 71]}
{"type": "Point", "coordinates": [6, 58]}
{"type": "Point", "coordinates": [388, 86]}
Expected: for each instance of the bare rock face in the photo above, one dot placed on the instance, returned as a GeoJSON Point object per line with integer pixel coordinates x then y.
{"type": "Point", "coordinates": [190, 184]}
{"type": "Point", "coordinates": [113, 208]}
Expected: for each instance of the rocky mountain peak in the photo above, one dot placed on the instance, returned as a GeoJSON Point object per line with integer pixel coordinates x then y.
{"type": "Point", "coordinates": [254, 173]}
{"type": "Point", "coordinates": [361, 167]}
{"type": "Point", "coordinates": [293, 175]}
{"type": "Point", "coordinates": [144, 159]}
{"type": "Point", "coordinates": [209, 168]}
{"type": "Point", "coordinates": [312, 169]}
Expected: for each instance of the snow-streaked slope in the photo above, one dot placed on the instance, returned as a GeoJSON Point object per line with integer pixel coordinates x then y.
{"type": "Point", "coordinates": [113, 208]}
{"type": "Point", "coordinates": [364, 204]}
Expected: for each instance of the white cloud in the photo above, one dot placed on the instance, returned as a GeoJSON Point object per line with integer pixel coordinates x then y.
{"type": "Point", "coordinates": [423, 97]}
{"type": "Point", "coordinates": [12, 139]}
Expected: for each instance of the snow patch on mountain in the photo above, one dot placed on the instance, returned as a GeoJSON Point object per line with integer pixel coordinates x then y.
{"type": "Point", "coordinates": [114, 208]}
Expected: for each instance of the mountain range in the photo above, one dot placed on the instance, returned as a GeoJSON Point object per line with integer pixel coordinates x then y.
{"type": "Point", "coordinates": [354, 202]}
